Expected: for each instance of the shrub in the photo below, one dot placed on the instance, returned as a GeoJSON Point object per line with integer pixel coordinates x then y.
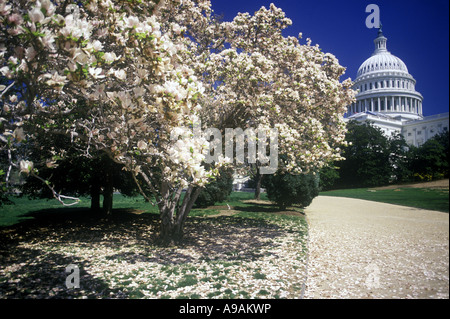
{"type": "Point", "coordinates": [286, 189]}
{"type": "Point", "coordinates": [216, 191]}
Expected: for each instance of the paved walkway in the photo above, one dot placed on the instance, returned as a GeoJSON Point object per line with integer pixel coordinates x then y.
{"type": "Point", "coordinates": [363, 249]}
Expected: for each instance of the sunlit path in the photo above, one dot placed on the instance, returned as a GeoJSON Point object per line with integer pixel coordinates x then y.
{"type": "Point", "coordinates": [362, 249]}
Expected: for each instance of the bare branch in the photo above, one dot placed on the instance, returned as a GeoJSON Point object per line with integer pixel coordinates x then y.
{"type": "Point", "coordinates": [57, 196]}
{"type": "Point", "coordinates": [5, 90]}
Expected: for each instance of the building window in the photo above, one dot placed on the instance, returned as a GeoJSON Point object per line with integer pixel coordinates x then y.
{"type": "Point", "coordinates": [419, 132]}
{"type": "Point", "coordinates": [409, 134]}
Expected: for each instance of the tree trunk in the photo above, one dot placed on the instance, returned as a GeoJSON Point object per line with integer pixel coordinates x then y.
{"type": "Point", "coordinates": [95, 197]}
{"type": "Point", "coordinates": [258, 180]}
{"type": "Point", "coordinates": [108, 192]}
{"type": "Point", "coordinates": [173, 215]}
{"type": "Point", "coordinates": [107, 201]}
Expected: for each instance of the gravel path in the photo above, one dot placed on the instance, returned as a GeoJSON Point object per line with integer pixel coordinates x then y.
{"type": "Point", "coordinates": [362, 249]}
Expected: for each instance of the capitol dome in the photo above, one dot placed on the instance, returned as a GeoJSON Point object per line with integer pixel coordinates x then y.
{"type": "Point", "coordinates": [386, 97]}
{"type": "Point", "coordinates": [385, 87]}
{"type": "Point", "coordinates": [384, 61]}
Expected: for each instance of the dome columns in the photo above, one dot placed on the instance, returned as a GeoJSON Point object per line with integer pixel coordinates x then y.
{"type": "Point", "coordinates": [387, 104]}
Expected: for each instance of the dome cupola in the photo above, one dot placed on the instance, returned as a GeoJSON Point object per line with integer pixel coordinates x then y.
{"type": "Point", "coordinates": [380, 43]}
{"type": "Point", "coordinates": [382, 59]}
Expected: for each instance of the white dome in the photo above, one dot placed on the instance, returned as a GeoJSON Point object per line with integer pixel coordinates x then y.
{"type": "Point", "coordinates": [382, 61]}
{"type": "Point", "coordinates": [384, 86]}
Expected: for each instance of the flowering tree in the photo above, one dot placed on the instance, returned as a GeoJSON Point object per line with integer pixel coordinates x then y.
{"type": "Point", "coordinates": [127, 70]}
{"type": "Point", "coordinates": [264, 79]}
{"type": "Point", "coordinates": [125, 77]}
{"type": "Point", "coordinates": [254, 76]}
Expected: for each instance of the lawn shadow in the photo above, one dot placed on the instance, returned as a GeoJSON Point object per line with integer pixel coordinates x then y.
{"type": "Point", "coordinates": [229, 238]}
{"type": "Point", "coordinates": [39, 271]}
{"type": "Point", "coordinates": [269, 208]}
{"type": "Point", "coordinates": [36, 274]}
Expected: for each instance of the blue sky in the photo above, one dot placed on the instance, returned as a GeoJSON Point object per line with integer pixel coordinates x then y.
{"type": "Point", "coordinates": [417, 32]}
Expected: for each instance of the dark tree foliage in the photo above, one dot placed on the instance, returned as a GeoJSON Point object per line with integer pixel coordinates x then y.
{"type": "Point", "coordinates": [399, 159]}
{"type": "Point", "coordinates": [367, 157]}
{"type": "Point", "coordinates": [373, 159]}
{"type": "Point", "coordinates": [430, 160]}
{"type": "Point", "coordinates": [328, 176]}
{"type": "Point", "coordinates": [4, 200]}
{"type": "Point", "coordinates": [287, 189]}
{"type": "Point", "coordinates": [82, 176]}
{"type": "Point", "coordinates": [216, 191]}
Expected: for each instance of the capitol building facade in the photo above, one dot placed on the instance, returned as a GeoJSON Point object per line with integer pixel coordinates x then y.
{"type": "Point", "coordinates": [386, 96]}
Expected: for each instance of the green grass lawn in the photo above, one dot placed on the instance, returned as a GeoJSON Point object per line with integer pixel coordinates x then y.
{"type": "Point", "coordinates": [25, 209]}
{"type": "Point", "coordinates": [425, 198]}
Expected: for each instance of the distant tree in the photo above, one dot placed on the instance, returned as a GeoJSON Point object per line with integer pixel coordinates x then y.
{"type": "Point", "coordinates": [328, 176]}
{"type": "Point", "coordinates": [443, 139]}
{"type": "Point", "coordinates": [367, 157]}
{"type": "Point", "coordinates": [257, 177]}
{"type": "Point", "coordinates": [430, 160]}
{"type": "Point", "coordinates": [82, 176]}
{"type": "Point", "coordinates": [286, 189]}
{"type": "Point", "coordinates": [4, 200]}
{"type": "Point", "coordinates": [399, 159]}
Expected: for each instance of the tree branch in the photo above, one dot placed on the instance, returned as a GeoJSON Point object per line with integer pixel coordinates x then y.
{"type": "Point", "coordinates": [57, 196]}
{"type": "Point", "coordinates": [5, 90]}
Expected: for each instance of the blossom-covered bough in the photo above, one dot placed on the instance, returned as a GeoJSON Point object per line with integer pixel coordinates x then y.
{"type": "Point", "coordinates": [121, 77]}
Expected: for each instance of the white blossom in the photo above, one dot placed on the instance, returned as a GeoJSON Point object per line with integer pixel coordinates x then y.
{"type": "Point", "coordinates": [36, 15]}
{"type": "Point", "coordinates": [120, 74]}
{"type": "Point", "coordinates": [26, 167]}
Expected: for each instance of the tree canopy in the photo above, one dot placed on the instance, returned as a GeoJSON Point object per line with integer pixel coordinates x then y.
{"type": "Point", "coordinates": [132, 79]}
